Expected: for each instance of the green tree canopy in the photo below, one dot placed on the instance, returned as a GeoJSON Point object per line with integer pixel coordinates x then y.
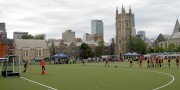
{"type": "Point", "coordinates": [100, 50]}
{"type": "Point", "coordinates": [178, 48]}
{"type": "Point", "coordinates": [159, 49]}
{"type": "Point", "coordinates": [85, 51]}
{"type": "Point", "coordinates": [171, 47]}
{"type": "Point", "coordinates": [138, 45]}
{"type": "Point", "coordinates": [40, 36]}
{"type": "Point", "coordinates": [27, 36]}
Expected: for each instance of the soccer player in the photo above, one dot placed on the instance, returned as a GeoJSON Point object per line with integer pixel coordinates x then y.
{"type": "Point", "coordinates": [83, 63]}
{"type": "Point", "coordinates": [107, 63]}
{"type": "Point", "coordinates": [43, 66]}
{"type": "Point", "coordinates": [160, 61]}
{"type": "Point", "coordinates": [152, 61]}
{"type": "Point", "coordinates": [157, 62]}
{"type": "Point", "coordinates": [148, 63]}
{"type": "Point", "coordinates": [177, 61]}
{"type": "Point", "coordinates": [169, 61]}
{"type": "Point", "coordinates": [140, 61]}
{"type": "Point", "coordinates": [25, 65]}
{"type": "Point", "coordinates": [131, 63]}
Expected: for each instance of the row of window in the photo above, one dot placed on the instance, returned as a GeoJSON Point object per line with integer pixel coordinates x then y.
{"type": "Point", "coordinates": [38, 52]}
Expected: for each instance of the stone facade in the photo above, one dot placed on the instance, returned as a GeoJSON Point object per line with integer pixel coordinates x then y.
{"type": "Point", "coordinates": [31, 49]}
{"type": "Point", "coordinates": [72, 49]}
{"type": "Point", "coordinates": [124, 27]}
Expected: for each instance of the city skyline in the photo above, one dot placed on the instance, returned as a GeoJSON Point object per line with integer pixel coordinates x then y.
{"type": "Point", "coordinates": [52, 17]}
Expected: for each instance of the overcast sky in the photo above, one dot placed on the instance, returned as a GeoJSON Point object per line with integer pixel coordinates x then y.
{"type": "Point", "coordinates": [53, 17]}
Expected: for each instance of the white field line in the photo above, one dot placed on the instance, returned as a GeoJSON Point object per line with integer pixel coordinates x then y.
{"type": "Point", "coordinates": [39, 83]}
{"type": "Point", "coordinates": [173, 78]}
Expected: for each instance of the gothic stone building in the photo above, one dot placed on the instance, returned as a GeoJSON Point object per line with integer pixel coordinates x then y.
{"type": "Point", "coordinates": [30, 49]}
{"type": "Point", "coordinates": [164, 40]}
{"type": "Point", "coordinates": [124, 26]}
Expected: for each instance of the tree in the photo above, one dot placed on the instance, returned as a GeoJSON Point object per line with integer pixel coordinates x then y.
{"type": "Point", "coordinates": [40, 36]}
{"type": "Point", "coordinates": [159, 49]}
{"type": "Point", "coordinates": [100, 49]}
{"type": "Point", "coordinates": [138, 45]}
{"type": "Point", "coordinates": [178, 48]}
{"type": "Point", "coordinates": [171, 47]}
{"type": "Point", "coordinates": [25, 36]}
{"type": "Point", "coordinates": [85, 51]}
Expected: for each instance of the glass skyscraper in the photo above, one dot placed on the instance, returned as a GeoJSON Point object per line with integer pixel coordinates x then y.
{"type": "Point", "coordinates": [97, 29]}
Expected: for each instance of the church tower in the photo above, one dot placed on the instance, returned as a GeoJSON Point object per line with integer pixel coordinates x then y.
{"type": "Point", "coordinates": [124, 26]}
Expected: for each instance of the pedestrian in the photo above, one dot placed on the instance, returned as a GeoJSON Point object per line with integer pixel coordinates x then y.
{"type": "Point", "coordinates": [43, 67]}
{"type": "Point", "coordinates": [25, 65]}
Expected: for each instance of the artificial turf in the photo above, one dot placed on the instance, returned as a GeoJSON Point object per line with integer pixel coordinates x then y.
{"type": "Point", "coordinates": [94, 76]}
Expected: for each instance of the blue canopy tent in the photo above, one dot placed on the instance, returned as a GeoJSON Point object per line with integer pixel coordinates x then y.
{"type": "Point", "coordinates": [128, 54]}
{"type": "Point", "coordinates": [60, 58]}
{"type": "Point", "coordinates": [59, 55]}
{"type": "Point", "coordinates": [132, 55]}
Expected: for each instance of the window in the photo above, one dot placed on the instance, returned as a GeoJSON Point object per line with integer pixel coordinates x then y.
{"type": "Point", "coordinates": [26, 52]}
{"type": "Point", "coordinates": [39, 52]}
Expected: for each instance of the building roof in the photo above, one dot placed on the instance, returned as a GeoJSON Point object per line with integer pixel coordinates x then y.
{"type": "Point", "coordinates": [176, 27]}
{"type": "Point", "coordinates": [175, 35]}
{"type": "Point", "coordinates": [30, 43]}
{"type": "Point", "coordinates": [166, 37]}
{"type": "Point", "coordinates": [78, 43]}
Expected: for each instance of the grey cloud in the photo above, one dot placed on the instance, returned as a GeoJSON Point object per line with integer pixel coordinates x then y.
{"type": "Point", "coordinates": [56, 16]}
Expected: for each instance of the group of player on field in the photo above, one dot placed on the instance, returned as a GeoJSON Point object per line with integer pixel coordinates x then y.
{"type": "Point", "coordinates": [154, 61]}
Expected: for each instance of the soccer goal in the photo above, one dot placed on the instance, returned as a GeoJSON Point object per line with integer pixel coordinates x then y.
{"type": "Point", "coordinates": [11, 66]}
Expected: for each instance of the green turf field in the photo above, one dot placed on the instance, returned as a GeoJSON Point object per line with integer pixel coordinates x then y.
{"type": "Point", "coordinates": [94, 76]}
